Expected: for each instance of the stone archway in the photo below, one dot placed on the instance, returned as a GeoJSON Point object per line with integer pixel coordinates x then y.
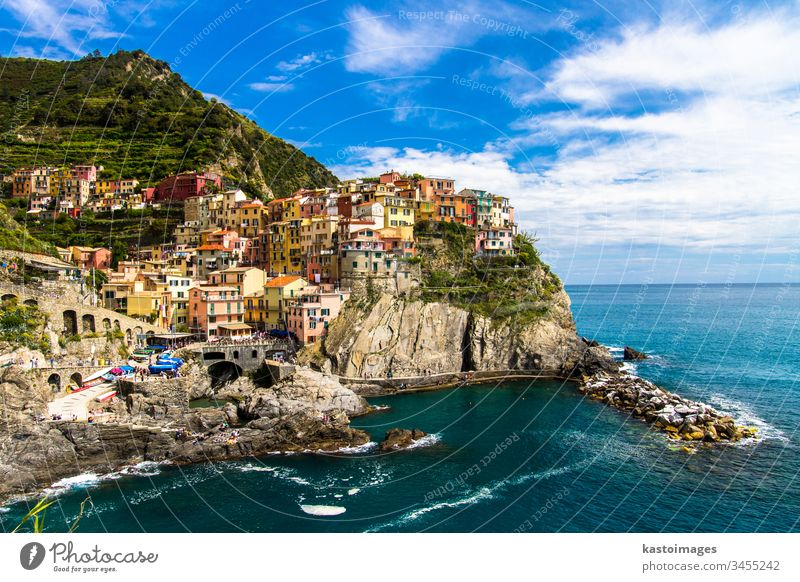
{"type": "Point", "coordinates": [9, 297]}
{"type": "Point", "coordinates": [54, 380]}
{"type": "Point", "coordinates": [70, 322]}
{"type": "Point", "coordinates": [87, 322]}
{"type": "Point", "coordinates": [137, 331]}
{"type": "Point", "coordinates": [128, 335]}
{"type": "Point", "coordinates": [106, 324]}
{"type": "Point", "coordinates": [116, 325]}
{"type": "Point", "coordinates": [76, 378]}
{"type": "Point", "coordinates": [31, 302]}
{"type": "Point", "coordinates": [223, 372]}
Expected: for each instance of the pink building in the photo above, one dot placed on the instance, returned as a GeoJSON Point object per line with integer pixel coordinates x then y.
{"type": "Point", "coordinates": [311, 313]}
{"type": "Point", "coordinates": [88, 173]}
{"type": "Point", "coordinates": [494, 241]}
{"type": "Point", "coordinates": [90, 258]}
{"type": "Point", "coordinates": [312, 206]}
{"type": "Point", "coordinates": [217, 311]}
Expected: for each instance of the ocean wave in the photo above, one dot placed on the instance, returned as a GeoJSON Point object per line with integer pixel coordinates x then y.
{"type": "Point", "coordinates": [543, 475]}
{"type": "Point", "coordinates": [143, 469]}
{"type": "Point", "coordinates": [280, 472]}
{"type": "Point", "coordinates": [426, 441]}
{"type": "Point", "coordinates": [82, 481]}
{"type": "Point", "coordinates": [323, 510]}
{"type": "Point", "coordinates": [745, 416]}
{"type": "Point", "coordinates": [481, 494]}
{"type": "Point", "coordinates": [353, 491]}
{"type": "Point", "coordinates": [358, 449]}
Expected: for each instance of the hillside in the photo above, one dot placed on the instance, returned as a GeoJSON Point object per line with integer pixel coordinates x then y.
{"type": "Point", "coordinates": [13, 237]}
{"type": "Point", "coordinates": [118, 231]}
{"type": "Point", "coordinates": [131, 114]}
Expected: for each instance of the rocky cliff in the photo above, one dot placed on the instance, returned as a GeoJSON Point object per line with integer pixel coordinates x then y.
{"type": "Point", "coordinates": [469, 313]}
{"type": "Point", "coordinates": [153, 422]}
{"type": "Point", "coordinates": [402, 337]}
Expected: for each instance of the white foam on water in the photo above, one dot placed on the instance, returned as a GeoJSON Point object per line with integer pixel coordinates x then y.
{"type": "Point", "coordinates": [543, 475]}
{"type": "Point", "coordinates": [249, 467]}
{"type": "Point", "coordinates": [482, 494]}
{"type": "Point", "coordinates": [745, 416]}
{"type": "Point", "coordinates": [323, 510]}
{"type": "Point", "coordinates": [426, 441]}
{"type": "Point", "coordinates": [143, 469]}
{"type": "Point", "coordinates": [353, 491]}
{"type": "Point", "coordinates": [82, 481]}
{"type": "Point", "coordinates": [358, 449]}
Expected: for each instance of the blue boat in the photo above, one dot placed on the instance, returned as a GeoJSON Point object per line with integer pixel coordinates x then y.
{"type": "Point", "coordinates": [158, 368]}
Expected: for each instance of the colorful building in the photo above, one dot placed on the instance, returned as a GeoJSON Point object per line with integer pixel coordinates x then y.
{"type": "Point", "coordinates": [277, 293]}
{"type": "Point", "coordinates": [183, 186]}
{"type": "Point", "coordinates": [216, 311]}
{"type": "Point", "coordinates": [310, 314]}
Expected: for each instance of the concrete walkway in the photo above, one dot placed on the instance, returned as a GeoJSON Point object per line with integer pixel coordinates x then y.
{"type": "Point", "coordinates": [77, 403]}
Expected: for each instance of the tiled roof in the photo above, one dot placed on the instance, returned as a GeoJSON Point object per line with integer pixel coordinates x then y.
{"type": "Point", "coordinates": [282, 281]}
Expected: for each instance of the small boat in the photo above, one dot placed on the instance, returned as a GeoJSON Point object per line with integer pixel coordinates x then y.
{"type": "Point", "coordinates": [176, 361]}
{"type": "Point", "coordinates": [106, 396]}
{"type": "Point", "coordinates": [99, 377]}
{"type": "Point", "coordinates": [158, 368]}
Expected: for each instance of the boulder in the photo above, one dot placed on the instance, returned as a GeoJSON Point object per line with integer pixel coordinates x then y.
{"type": "Point", "coordinates": [630, 354]}
{"type": "Point", "coordinates": [400, 438]}
{"type": "Point", "coordinates": [306, 390]}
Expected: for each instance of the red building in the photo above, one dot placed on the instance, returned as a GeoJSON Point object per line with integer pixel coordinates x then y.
{"type": "Point", "coordinates": [183, 186]}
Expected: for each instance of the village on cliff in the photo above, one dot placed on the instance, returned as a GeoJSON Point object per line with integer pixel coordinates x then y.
{"type": "Point", "coordinates": [238, 265]}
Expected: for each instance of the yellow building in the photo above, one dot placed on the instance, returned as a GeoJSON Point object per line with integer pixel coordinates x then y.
{"type": "Point", "coordinates": [424, 210]}
{"type": "Point", "coordinates": [153, 306]}
{"type": "Point", "coordinates": [246, 280]}
{"type": "Point", "coordinates": [255, 310]}
{"type": "Point", "coordinates": [397, 211]}
{"type": "Point", "coordinates": [278, 252]}
{"type": "Point", "coordinates": [247, 219]}
{"type": "Point", "coordinates": [277, 292]}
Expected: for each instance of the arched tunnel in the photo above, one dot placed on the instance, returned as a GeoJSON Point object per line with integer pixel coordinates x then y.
{"type": "Point", "coordinates": [223, 372]}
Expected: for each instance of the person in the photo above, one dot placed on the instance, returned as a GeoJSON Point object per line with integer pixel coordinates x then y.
{"type": "Point", "coordinates": [52, 362]}
{"type": "Point", "coordinates": [31, 363]}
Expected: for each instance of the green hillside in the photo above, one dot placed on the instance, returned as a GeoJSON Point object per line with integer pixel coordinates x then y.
{"type": "Point", "coordinates": [13, 237]}
{"type": "Point", "coordinates": [131, 114]}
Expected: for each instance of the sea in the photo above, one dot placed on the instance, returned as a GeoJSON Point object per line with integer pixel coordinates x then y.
{"type": "Point", "coordinates": [520, 456]}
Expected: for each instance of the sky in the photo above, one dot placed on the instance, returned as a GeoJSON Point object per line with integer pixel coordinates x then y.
{"type": "Point", "coordinates": [640, 142]}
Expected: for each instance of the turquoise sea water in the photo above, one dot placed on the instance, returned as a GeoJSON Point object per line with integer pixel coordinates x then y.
{"type": "Point", "coordinates": [520, 456]}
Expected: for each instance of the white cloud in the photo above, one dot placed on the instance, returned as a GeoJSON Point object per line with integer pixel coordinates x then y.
{"type": "Point", "coordinates": [713, 168]}
{"type": "Point", "coordinates": [302, 62]}
{"type": "Point", "coordinates": [271, 87]}
{"type": "Point", "coordinates": [757, 56]}
{"type": "Point", "coordinates": [66, 24]}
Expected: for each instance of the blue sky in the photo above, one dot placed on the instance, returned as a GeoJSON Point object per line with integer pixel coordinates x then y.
{"type": "Point", "coordinates": [641, 142]}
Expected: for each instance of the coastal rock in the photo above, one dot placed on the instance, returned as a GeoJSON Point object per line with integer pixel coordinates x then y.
{"type": "Point", "coordinates": [400, 337]}
{"type": "Point", "coordinates": [679, 417]}
{"type": "Point", "coordinates": [303, 391]}
{"type": "Point", "coordinates": [400, 438]}
{"type": "Point", "coordinates": [630, 354]}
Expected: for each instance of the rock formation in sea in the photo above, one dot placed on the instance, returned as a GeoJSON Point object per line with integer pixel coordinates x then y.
{"type": "Point", "coordinates": [401, 438]}
{"type": "Point", "coordinates": [630, 354]}
{"type": "Point", "coordinates": [152, 421]}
